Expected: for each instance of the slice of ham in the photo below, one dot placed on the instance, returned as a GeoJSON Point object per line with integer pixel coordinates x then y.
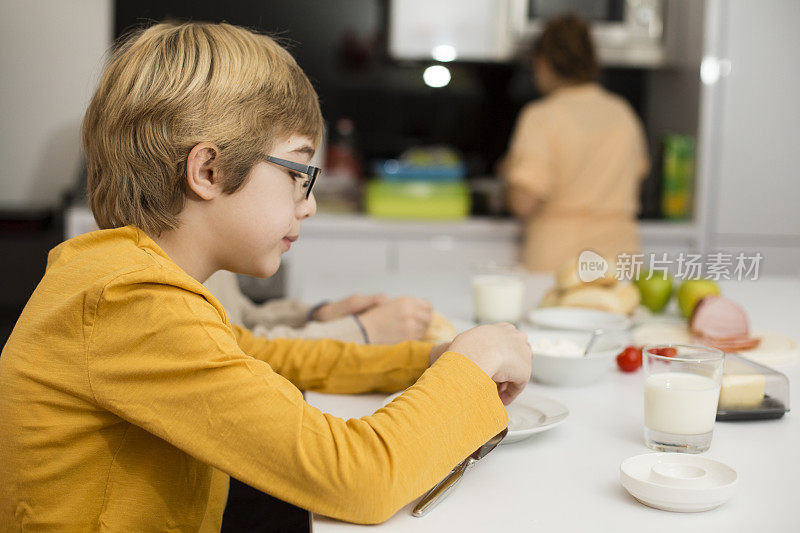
{"type": "Point", "coordinates": [721, 323]}
{"type": "Point", "coordinates": [717, 316]}
{"type": "Point", "coordinates": [728, 344]}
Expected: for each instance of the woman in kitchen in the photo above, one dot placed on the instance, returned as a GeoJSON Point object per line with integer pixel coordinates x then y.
{"type": "Point", "coordinates": [576, 156]}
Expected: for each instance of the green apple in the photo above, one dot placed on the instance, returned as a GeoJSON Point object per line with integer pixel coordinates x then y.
{"type": "Point", "coordinates": [655, 291]}
{"type": "Point", "coordinates": [691, 291]}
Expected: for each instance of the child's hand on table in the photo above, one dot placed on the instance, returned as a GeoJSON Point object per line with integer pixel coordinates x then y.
{"type": "Point", "coordinates": [397, 320]}
{"type": "Point", "coordinates": [352, 305]}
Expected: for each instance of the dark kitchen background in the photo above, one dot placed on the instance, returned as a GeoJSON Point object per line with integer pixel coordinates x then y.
{"type": "Point", "coordinates": [342, 46]}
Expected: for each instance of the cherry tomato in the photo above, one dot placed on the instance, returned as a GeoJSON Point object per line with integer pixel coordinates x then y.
{"type": "Point", "coordinates": [665, 352]}
{"type": "Point", "coordinates": [630, 359]}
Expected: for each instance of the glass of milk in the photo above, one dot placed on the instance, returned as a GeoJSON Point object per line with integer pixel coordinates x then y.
{"type": "Point", "coordinates": [680, 397]}
{"type": "Point", "coordinates": [498, 294]}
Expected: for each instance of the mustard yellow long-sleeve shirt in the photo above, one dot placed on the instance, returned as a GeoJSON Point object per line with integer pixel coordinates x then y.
{"type": "Point", "coordinates": [123, 386]}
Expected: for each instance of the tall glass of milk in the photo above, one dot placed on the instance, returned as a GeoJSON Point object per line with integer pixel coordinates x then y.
{"type": "Point", "coordinates": [497, 294]}
{"type": "Point", "coordinates": [681, 392]}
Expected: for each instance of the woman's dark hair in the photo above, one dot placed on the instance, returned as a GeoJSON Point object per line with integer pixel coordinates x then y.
{"type": "Point", "coordinates": [567, 47]}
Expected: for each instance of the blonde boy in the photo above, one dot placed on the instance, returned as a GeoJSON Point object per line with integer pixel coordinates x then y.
{"type": "Point", "coordinates": [124, 386]}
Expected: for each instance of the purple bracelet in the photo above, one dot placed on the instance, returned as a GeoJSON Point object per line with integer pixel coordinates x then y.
{"type": "Point", "coordinates": [310, 315]}
{"type": "Point", "coordinates": [361, 327]}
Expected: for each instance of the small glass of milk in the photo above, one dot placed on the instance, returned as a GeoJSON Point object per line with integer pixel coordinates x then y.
{"type": "Point", "coordinates": [680, 397]}
{"type": "Point", "coordinates": [498, 294]}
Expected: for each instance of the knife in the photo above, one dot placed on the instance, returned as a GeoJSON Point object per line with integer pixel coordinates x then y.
{"type": "Point", "coordinates": [440, 491]}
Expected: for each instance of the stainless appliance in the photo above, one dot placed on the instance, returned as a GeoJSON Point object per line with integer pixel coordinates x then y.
{"type": "Point", "coordinates": [626, 32]}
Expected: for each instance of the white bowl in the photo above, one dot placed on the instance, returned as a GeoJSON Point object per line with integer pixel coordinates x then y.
{"type": "Point", "coordinates": [678, 482]}
{"type": "Point", "coordinates": [572, 371]}
{"type": "Point", "coordinates": [577, 319]}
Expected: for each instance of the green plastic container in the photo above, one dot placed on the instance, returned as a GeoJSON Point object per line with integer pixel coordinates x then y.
{"type": "Point", "coordinates": [678, 177]}
{"type": "Point", "coordinates": [417, 200]}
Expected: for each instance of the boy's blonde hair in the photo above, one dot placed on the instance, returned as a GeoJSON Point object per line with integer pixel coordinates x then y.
{"type": "Point", "coordinates": [171, 86]}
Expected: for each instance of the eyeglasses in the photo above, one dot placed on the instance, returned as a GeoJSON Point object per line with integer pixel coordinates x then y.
{"type": "Point", "coordinates": [308, 170]}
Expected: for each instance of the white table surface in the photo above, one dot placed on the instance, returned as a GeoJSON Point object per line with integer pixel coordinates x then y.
{"type": "Point", "coordinates": [567, 479]}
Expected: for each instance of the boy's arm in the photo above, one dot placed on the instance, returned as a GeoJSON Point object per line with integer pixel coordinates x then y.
{"type": "Point", "coordinates": [334, 366]}
{"type": "Point", "coordinates": [180, 375]}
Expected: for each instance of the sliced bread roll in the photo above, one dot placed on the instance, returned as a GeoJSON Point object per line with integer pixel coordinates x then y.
{"type": "Point", "coordinates": [439, 330]}
{"type": "Point", "coordinates": [620, 299]}
{"type": "Point", "coordinates": [567, 276]}
{"type": "Point", "coordinates": [629, 296]}
{"type": "Point", "coordinates": [593, 297]}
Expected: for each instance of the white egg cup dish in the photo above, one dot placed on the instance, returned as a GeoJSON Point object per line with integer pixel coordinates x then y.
{"type": "Point", "coordinates": [678, 482]}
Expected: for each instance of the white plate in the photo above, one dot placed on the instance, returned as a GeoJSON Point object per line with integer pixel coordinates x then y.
{"type": "Point", "coordinates": [678, 482]}
{"type": "Point", "coordinates": [528, 414]}
{"type": "Point", "coordinates": [573, 318]}
{"type": "Point", "coordinates": [774, 348]}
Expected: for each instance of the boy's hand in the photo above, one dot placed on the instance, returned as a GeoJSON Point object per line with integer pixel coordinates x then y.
{"type": "Point", "coordinates": [397, 320]}
{"type": "Point", "coordinates": [437, 351]}
{"type": "Point", "coordinates": [352, 305]}
{"type": "Point", "coordinates": [500, 350]}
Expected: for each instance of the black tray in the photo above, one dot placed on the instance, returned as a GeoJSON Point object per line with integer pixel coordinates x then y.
{"type": "Point", "coordinates": [768, 409]}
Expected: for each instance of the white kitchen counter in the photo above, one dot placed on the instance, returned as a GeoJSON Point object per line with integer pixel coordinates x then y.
{"type": "Point", "coordinates": [474, 227]}
{"type": "Point", "coordinates": [356, 225]}
{"type": "Point", "coordinates": [567, 479]}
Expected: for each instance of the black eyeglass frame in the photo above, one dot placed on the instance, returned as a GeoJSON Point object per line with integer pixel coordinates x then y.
{"type": "Point", "coordinates": [308, 170]}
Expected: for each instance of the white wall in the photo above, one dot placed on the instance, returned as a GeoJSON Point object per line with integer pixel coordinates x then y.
{"type": "Point", "coordinates": [51, 53]}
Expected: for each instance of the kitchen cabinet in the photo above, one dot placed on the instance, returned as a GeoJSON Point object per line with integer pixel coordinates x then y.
{"type": "Point", "coordinates": [777, 260]}
{"type": "Point", "coordinates": [748, 131]}
{"type": "Point", "coordinates": [671, 238]}
{"type": "Point", "coordinates": [451, 254]}
{"type": "Point", "coordinates": [354, 247]}
{"type": "Point", "coordinates": [472, 30]}
{"type": "Point", "coordinates": [332, 258]}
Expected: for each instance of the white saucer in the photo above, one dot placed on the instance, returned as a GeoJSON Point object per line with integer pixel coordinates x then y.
{"type": "Point", "coordinates": [528, 414]}
{"type": "Point", "coordinates": [678, 482]}
{"type": "Point", "coordinates": [574, 318]}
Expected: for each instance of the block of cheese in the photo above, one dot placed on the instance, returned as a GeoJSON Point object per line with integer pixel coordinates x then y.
{"type": "Point", "coordinates": [740, 391]}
